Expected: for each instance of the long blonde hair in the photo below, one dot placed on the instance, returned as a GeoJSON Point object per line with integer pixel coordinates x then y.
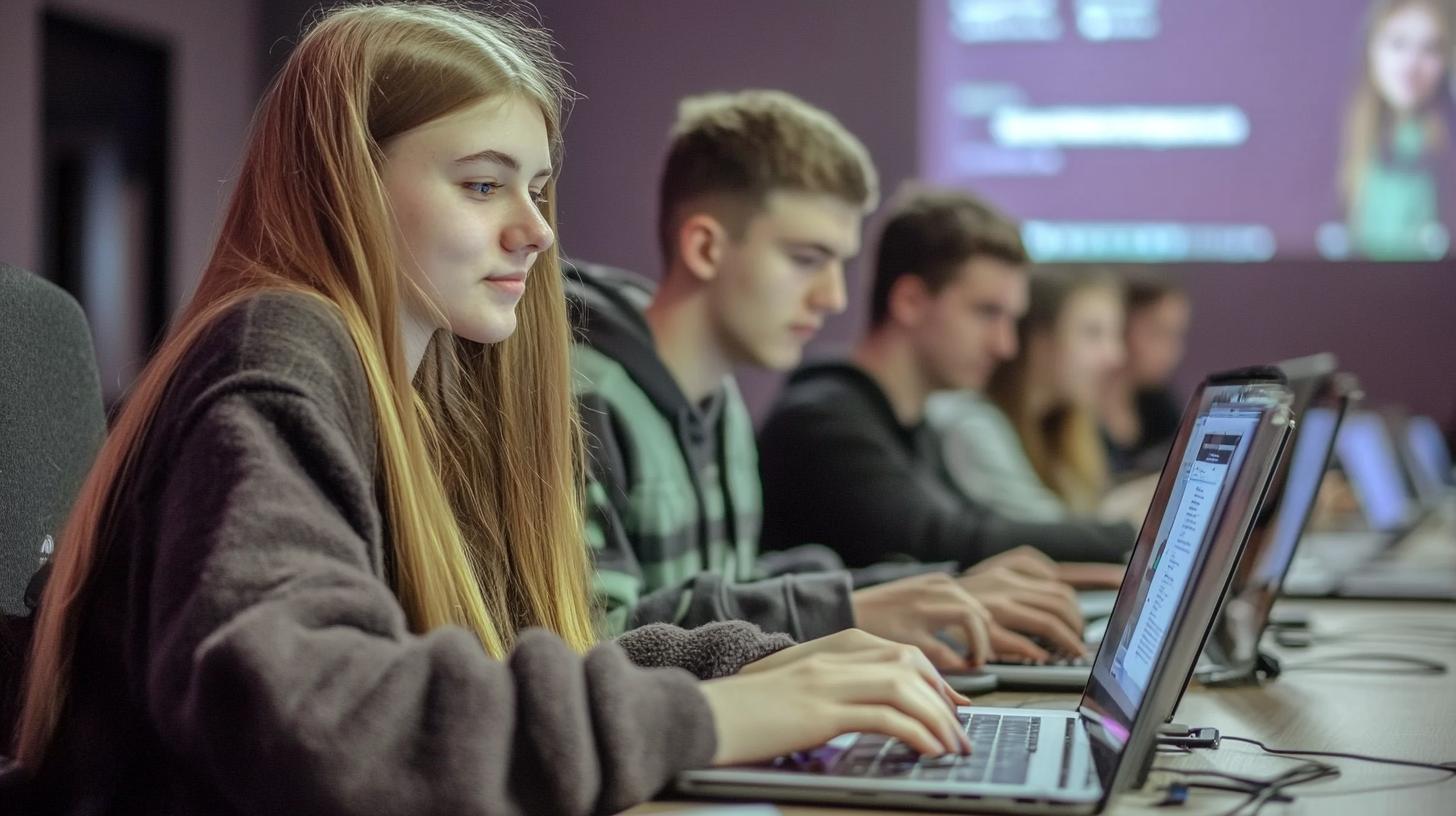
{"type": "Point", "coordinates": [1064, 444]}
{"type": "Point", "coordinates": [1368, 118]}
{"type": "Point", "coordinates": [480, 457]}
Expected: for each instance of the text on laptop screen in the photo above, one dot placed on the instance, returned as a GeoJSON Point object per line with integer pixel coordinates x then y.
{"type": "Point", "coordinates": [1210, 462]}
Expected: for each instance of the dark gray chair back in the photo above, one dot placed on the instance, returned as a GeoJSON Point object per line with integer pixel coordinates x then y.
{"type": "Point", "coordinates": [51, 422]}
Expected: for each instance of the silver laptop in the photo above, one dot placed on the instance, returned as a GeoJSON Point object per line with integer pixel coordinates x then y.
{"type": "Point", "coordinates": [1047, 761]}
{"type": "Point", "coordinates": [1359, 563]}
{"type": "Point", "coordinates": [1426, 457]}
{"type": "Point", "coordinates": [1306, 378]}
{"type": "Point", "coordinates": [1321, 399]}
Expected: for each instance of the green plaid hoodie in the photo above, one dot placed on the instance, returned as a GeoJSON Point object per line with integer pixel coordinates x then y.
{"type": "Point", "coordinates": [674, 502]}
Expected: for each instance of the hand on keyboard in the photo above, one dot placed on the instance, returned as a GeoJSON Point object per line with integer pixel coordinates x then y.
{"type": "Point", "coordinates": [794, 703]}
{"type": "Point", "coordinates": [1023, 606]}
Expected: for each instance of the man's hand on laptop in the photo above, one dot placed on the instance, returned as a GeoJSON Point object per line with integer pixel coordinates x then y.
{"type": "Point", "coordinates": [1042, 608]}
{"type": "Point", "coordinates": [1091, 575]}
{"type": "Point", "coordinates": [849, 681]}
{"type": "Point", "coordinates": [1027, 560]}
{"type": "Point", "coordinates": [916, 610]}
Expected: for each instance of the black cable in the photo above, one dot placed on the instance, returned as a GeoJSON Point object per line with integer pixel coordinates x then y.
{"type": "Point", "coordinates": [1448, 767]}
{"type": "Point", "coordinates": [1442, 634]}
{"type": "Point", "coordinates": [1260, 792]}
{"type": "Point", "coordinates": [1350, 663]}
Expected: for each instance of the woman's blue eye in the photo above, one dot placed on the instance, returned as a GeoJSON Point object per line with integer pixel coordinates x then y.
{"type": "Point", "coordinates": [484, 188]}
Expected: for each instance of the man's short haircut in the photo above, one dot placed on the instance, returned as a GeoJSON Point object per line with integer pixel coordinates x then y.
{"type": "Point", "coordinates": [1146, 287]}
{"type": "Point", "coordinates": [737, 148]}
{"type": "Point", "coordinates": [931, 234]}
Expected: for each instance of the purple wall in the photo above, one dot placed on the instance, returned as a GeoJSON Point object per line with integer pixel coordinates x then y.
{"type": "Point", "coordinates": [633, 59]}
{"type": "Point", "coordinates": [1389, 323]}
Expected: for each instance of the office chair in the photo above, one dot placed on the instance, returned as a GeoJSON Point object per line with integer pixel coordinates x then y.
{"type": "Point", "coordinates": [51, 425]}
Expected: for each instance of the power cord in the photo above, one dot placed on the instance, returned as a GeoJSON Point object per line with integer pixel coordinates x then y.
{"type": "Point", "coordinates": [1369, 663]}
{"type": "Point", "coordinates": [1448, 767]}
{"type": "Point", "coordinates": [1261, 792]}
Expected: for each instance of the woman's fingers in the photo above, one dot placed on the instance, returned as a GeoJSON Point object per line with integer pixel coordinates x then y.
{"type": "Point", "coordinates": [905, 680]}
{"type": "Point", "coordinates": [881, 719]}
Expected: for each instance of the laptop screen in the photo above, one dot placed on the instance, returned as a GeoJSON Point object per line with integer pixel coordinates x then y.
{"type": "Point", "coordinates": [1226, 448]}
{"type": "Point", "coordinates": [1210, 464]}
{"type": "Point", "coordinates": [1428, 450]}
{"type": "Point", "coordinates": [1371, 462]}
{"type": "Point", "coordinates": [1234, 642]}
{"type": "Point", "coordinates": [1312, 444]}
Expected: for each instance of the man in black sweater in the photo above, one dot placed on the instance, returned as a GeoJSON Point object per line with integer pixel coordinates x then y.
{"type": "Point", "coordinates": [846, 456]}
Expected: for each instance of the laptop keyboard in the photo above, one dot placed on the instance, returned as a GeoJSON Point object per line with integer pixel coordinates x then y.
{"type": "Point", "coordinates": [1054, 660]}
{"type": "Point", "coordinates": [1001, 749]}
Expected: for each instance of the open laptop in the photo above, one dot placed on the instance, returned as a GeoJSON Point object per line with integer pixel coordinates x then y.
{"type": "Point", "coordinates": [1047, 761]}
{"type": "Point", "coordinates": [1360, 563]}
{"type": "Point", "coordinates": [1426, 457]}
{"type": "Point", "coordinates": [1307, 377]}
{"type": "Point", "coordinates": [1321, 400]}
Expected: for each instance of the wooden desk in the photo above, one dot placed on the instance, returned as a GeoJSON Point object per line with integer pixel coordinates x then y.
{"type": "Point", "coordinates": [1405, 716]}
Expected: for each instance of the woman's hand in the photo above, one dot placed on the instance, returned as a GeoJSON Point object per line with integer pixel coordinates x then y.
{"type": "Point", "coordinates": [805, 695]}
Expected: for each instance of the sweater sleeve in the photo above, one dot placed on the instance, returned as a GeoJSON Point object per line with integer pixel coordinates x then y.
{"type": "Point", "coordinates": [281, 667]}
{"type": "Point", "coordinates": [833, 477]}
{"type": "Point", "coordinates": [805, 606]}
{"type": "Point", "coordinates": [985, 460]}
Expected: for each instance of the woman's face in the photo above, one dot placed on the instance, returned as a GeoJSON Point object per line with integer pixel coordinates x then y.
{"type": "Point", "coordinates": [1156, 335]}
{"type": "Point", "coordinates": [465, 189]}
{"type": "Point", "coordinates": [1407, 56]}
{"type": "Point", "coordinates": [1089, 345]}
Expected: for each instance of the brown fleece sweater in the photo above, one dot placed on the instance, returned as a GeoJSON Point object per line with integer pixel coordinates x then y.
{"type": "Point", "coordinates": [241, 650]}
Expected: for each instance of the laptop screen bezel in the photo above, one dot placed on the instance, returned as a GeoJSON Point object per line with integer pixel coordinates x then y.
{"type": "Point", "coordinates": [1099, 708]}
{"type": "Point", "coordinates": [1362, 479]}
{"type": "Point", "coordinates": [1322, 392]}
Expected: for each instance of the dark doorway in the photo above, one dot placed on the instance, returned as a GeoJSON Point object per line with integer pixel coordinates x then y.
{"type": "Point", "coordinates": [106, 175]}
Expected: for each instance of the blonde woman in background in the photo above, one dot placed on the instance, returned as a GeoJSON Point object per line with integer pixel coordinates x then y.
{"type": "Point", "coordinates": [1029, 447]}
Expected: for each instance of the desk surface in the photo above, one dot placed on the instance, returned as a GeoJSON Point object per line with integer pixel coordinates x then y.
{"type": "Point", "coordinates": [1407, 716]}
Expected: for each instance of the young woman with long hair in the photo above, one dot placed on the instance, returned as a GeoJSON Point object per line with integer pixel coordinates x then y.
{"type": "Point", "coordinates": [1029, 447]}
{"type": "Point", "coordinates": [1395, 157]}
{"type": "Point", "coordinates": [330, 558]}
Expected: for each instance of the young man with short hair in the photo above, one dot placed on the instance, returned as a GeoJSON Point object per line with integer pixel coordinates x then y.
{"type": "Point", "coordinates": [761, 201]}
{"type": "Point", "coordinates": [847, 457]}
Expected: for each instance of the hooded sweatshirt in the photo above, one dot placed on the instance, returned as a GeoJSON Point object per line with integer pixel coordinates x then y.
{"type": "Point", "coordinates": [839, 467]}
{"type": "Point", "coordinates": [241, 650]}
{"type": "Point", "coordinates": [675, 506]}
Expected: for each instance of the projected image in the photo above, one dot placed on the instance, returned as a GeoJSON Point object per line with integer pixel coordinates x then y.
{"type": "Point", "coordinates": [1140, 130]}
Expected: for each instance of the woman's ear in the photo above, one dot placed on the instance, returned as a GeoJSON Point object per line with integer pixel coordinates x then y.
{"type": "Point", "coordinates": [701, 240]}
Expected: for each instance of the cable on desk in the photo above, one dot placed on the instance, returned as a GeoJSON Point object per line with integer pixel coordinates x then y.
{"type": "Point", "coordinates": [1260, 792]}
{"type": "Point", "coordinates": [1448, 767]}
{"type": "Point", "coordinates": [1422, 632]}
{"type": "Point", "coordinates": [1275, 789]}
{"type": "Point", "coordinates": [1368, 663]}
